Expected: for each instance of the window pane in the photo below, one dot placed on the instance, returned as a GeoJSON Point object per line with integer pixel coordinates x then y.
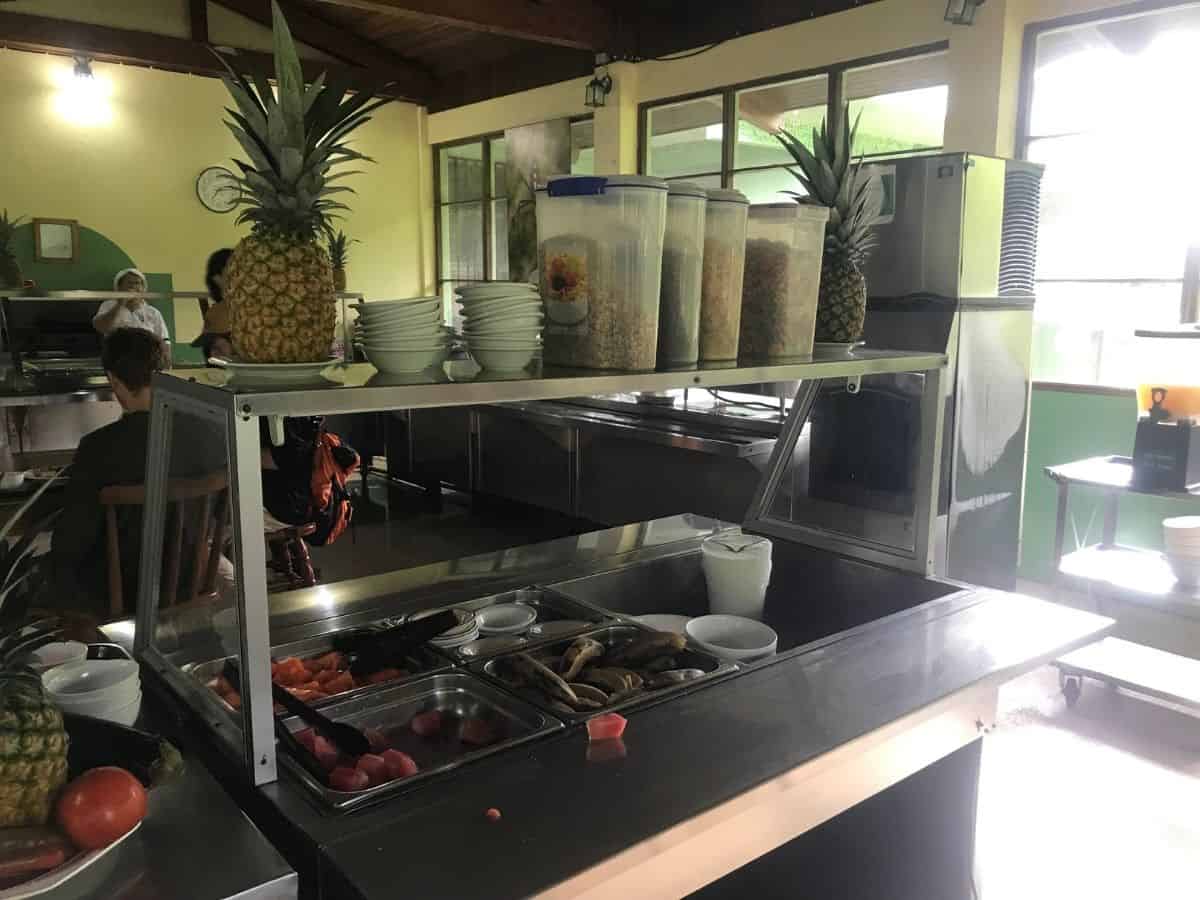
{"type": "Point", "coordinates": [1097, 223]}
{"type": "Point", "coordinates": [462, 241]}
{"type": "Point", "coordinates": [767, 185]}
{"type": "Point", "coordinates": [685, 138]}
{"type": "Point", "coordinates": [1104, 75]}
{"type": "Point", "coordinates": [461, 172]}
{"type": "Point", "coordinates": [704, 181]}
{"type": "Point", "coordinates": [499, 240]}
{"type": "Point", "coordinates": [799, 106]}
{"type": "Point", "coordinates": [583, 154]}
{"type": "Point", "coordinates": [1083, 333]}
{"type": "Point", "coordinates": [499, 153]}
{"type": "Point", "coordinates": [900, 121]}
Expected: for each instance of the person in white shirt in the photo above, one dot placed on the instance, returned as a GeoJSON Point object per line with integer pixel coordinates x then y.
{"type": "Point", "coordinates": [131, 312]}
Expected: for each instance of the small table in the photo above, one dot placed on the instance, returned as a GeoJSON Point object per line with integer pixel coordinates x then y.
{"type": "Point", "coordinates": [1127, 575]}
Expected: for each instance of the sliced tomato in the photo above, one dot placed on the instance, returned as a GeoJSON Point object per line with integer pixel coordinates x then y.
{"type": "Point", "coordinates": [477, 732]}
{"type": "Point", "coordinates": [427, 724]}
{"type": "Point", "coordinates": [384, 675]}
{"type": "Point", "coordinates": [344, 778]}
{"type": "Point", "coordinates": [399, 764]}
{"type": "Point", "coordinates": [331, 660]}
{"type": "Point", "coordinates": [307, 737]}
{"type": "Point", "coordinates": [606, 727]}
{"type": "Point", "coordinates": [291, 671]}
{"type": "Point", "coordinates": [343, 682]}
{"type": "Point", "coordinates": [325, 676]}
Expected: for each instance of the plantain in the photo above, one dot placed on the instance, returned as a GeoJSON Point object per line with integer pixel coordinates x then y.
{"type": "Point", "coordinates": [526, 670]}
{"type": "Point", "coordinates": [644, 650]}
{"type": "Point", "coordinates": [581, 652]}
{"type": "Point", "coordinates": [610, 680]}
{"type": "Point", "coordinates": [589, 692]}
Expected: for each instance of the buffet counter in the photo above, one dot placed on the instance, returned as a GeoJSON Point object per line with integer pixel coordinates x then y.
{"type": "Point", "coordinates": [882, 677]}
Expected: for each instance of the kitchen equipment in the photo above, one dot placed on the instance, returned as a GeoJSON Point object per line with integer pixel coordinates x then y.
{"type": "Point", "coordinates": [56, 654]}
{"type": "Point", "coordinates": [102, 688]}
{"type": "Point", "coordinates": [1181, 537]}
{"type": "Point", "coordinates": [724, 268]}
{"type": "Point", "coordinates": [612, 637]}
{"type": "Point", "coordinates": [345, 737]}
{"type": "Point", "coordinates": [460, 697]}
{"type": "Point", "coordinates": [600, 256]}
{"type": "Point", "coordinates": [509, 618]}
{"type": "Point", "coordinates": [682, 276]}
{"type": "Point", "coordinates": [733, 637]}
{"type": "Point", "coordinates": [375, 650]}
{"type": "Point", "coordinates": [502, 324]}
{"type": "Point", "coordinates": [1166, 446]}
{"type": "Point", "coordinates": [737, 570]}
{"type": "Point", "coordinates": [402, 336]}
{"type": "Point", "coordinates": [784, 246]}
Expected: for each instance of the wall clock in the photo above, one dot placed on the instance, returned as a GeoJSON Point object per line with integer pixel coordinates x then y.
{"type": "Point", "coordinates": [217, 189]}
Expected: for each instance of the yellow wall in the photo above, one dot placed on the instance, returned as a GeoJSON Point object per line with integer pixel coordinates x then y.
{"type": "Point", "coordinates": [132, 177]}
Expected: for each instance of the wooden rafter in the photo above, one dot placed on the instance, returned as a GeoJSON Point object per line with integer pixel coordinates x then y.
{"type": "Point", "coordinates": [198, 13]}
{"type": "Point", "coordinates": [316, 32]}
{"type": "Point", "coordinates": [518, 72]}
{"type": "Point", "coordinates": [580, 24]}
{"type": "Point", "coordinates": [19, 31]}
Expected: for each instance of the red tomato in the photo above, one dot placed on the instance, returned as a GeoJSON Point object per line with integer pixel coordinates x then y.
{"type": "Point", "coordinates": [325, 752]}
{"type": "Point", "coordinates": [325, 676]}
{"type": "Point", "coordinates": [343, 778]}
{"type": "Point", "coordinates": [291, 671]}
{"type": "Point", "coordinates": [492, 814]}
{"type": "Point", "coordinates": [375, 767]}
{"type": "Point", "coordinates": [400, 765]}
{"type": "Point", "coordinates": [384, 675]}
{"type": "Point", "coordinates": [427, 724]}
{"type": "Point", "coordinates": [605, 727]}
{"type": "Point", "coordinates": [99, 806]}
{"type": "Point", "coordinates": [234, 699]}
{"type": "Point", "coordinates": [477, 732]}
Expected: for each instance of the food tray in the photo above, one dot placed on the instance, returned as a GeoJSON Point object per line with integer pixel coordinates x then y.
{"type": "Point", "coordinates": [611, 636]}
{"type": "Point", "coordinates": [390, 710]}
{"type": "Point", "coordinates": [550, 606]}
{"type": "Point", "coordinates": [421, 662]}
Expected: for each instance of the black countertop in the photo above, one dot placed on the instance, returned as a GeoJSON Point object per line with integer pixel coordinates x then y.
{"type": "Point", "coordinates": [563, 812]}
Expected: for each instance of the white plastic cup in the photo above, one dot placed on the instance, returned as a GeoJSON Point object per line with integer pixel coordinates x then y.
{"type": "Point", "coordinates": [737, 570]}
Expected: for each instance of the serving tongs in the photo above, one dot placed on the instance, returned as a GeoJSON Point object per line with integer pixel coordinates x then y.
{"type": "Point", "coordinates": [346, 738]}
{"type": "Point", "coordinates": [375, 650]}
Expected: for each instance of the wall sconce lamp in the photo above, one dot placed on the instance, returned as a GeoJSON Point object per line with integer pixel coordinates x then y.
{"type": "Point", "coordinates": [83, 67]}
{"type": "Point", "coordinates": [962, 12]}
{"type": "Point", "coordinates": [598, 89]}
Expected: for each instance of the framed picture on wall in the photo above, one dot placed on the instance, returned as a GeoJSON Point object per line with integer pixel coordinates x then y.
{"type": "Point", "coordinates": [56, 240]}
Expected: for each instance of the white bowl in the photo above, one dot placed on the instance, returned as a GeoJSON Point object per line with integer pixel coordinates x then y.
{"type": "Point", "coordinates": [503, 360]}
{"type": "Point", "coordinates": [506, 618]}
{"type": "Point", "coordinates": [395, 362]}
{"type": "Point", "coordinates": [401, 321]}
{"type": "Point", "coordinates": [495, 289]}
{"type": "Point", "coordinates": [402, 303]}
{"type": "Point", "coordinates": [665, 622]}
{"type": "Point", "coordinates": [733, 637]}
{"type": "Point", "coordinates": [57, 654]}
{"type": "Point", "coordinates": [502, 308]}
{"type": "Point", "coordinates": [504, 343]}
{"type": "Point", "coordinates": [504, 323]}
{"type": "Point", "coordinates": [93, 679]}
{"type": "Point", "coordinates": [503, 331]}
{"type": "Point", "coordinates": [127, 714]}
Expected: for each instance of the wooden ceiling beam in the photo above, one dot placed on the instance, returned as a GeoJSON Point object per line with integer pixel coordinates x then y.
{"type": "Point", "coordinates": [518, 72]}
{"type": "Point", "coordinates": [198, 13]}
{"type": "Point", "coordinates": [19, 31]}
{"type": "Point", "coordinates": [577, 24]}
{"type": "Point", "coordinates": [340, 44]}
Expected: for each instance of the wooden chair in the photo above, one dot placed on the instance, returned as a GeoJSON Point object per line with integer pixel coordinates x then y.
{"type": "Point", "coordinates": [199, 506]}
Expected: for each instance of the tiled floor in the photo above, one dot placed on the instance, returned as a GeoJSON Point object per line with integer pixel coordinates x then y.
{"type": "Point", "coordinates": [1098, 802]}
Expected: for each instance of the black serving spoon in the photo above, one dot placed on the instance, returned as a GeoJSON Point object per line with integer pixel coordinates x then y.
{"type": "Point", "coordinates": [346, 738]}
{"type": "Point", "coordinates": [377, 650]}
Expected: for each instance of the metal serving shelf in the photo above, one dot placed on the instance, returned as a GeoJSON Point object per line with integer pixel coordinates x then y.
{"type": "Point", "coordinates": [361, 387]}
{"type": "Point", "coordinates": [197, 408]}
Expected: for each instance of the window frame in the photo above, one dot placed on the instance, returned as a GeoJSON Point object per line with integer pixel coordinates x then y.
{"type": "Point", "coordinates": [834, 74]}
{"type": "Point", "coordinates": [487, 199]}
{"type": "Point", "coordinates": [1024, 139]}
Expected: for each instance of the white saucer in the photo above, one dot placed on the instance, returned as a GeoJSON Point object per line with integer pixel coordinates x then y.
{"type": "Point", "coordinates": [275, 374]}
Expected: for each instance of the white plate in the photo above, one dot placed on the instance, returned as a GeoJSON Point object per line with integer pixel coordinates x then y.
{"type": "Point", "coordinates": [275, 373]}
{"type": "Point", "coordinates": [495, 289]}
{"type": "Point", "coordinates": [562, 626]}
{"type": "Point", "coordinates": [403, 303]}
{"type": "Point", "coordinates": [505, 618]}
{"type": "Point", "coordinates": [64, 873]}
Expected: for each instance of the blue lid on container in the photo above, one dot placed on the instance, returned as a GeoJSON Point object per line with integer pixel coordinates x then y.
{"type": "Point", "coordinates": [591, 185]}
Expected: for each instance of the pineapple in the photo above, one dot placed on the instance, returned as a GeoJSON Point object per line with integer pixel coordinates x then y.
{"type": "Point", "coordinates": [339, 255]}
{"type": "Point", "coordinates": [10, 270]}
{"type": "Point", "coordinates": [832, 179]}
{"type": "Point", "coordinates": [279, 282]}
{"type": "Point", "coordinates": [33, 751]}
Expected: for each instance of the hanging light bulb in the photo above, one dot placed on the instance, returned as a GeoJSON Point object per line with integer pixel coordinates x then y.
{"type": "Point", "coordinates": [83, 98]}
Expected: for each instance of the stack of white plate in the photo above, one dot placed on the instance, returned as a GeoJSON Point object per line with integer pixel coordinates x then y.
{"type": "Point", "coordinates": [464, 632]}
{"type": "Point", "coordinates": [401, 336]}
{"type": "Point", "coordinates": [1182, 538]}
{"type": "Point", "coordinates": [502, 323]}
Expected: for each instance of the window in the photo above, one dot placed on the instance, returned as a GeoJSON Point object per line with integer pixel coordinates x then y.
{"type": "Point", "coordinates": [1117, 216]}
{"type": "Point", "coordinates": [472, 206]}
{"type": "Point", "coordinates": [902, 102]}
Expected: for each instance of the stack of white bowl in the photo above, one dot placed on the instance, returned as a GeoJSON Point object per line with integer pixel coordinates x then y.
{"type": "Point", "coordinates": [1182, 538]}
{"type": "Point", "coordinates": [401, 336]}
{"type": "Point", "coordinates": [102, 688]}
{"type": "Point", "coordinates": [502, 323]}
